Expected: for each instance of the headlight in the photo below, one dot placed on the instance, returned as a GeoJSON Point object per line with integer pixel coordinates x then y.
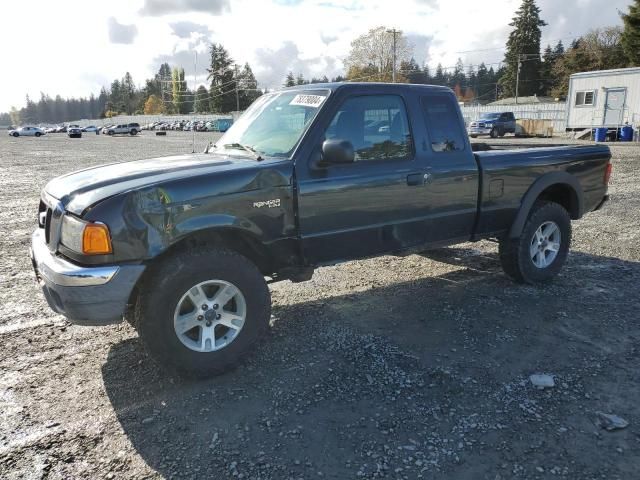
{"type": "Point", "coordinates": [84, 237]}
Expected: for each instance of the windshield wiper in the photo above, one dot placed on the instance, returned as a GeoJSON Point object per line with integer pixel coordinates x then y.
{"type": "Point", "coordinates": [246, 148]}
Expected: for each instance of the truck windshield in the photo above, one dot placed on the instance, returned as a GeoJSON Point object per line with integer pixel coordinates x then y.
{"type": "Point", "coordinates": [274, 123]}
{"type": "Point", "coordinates": [489, 116]}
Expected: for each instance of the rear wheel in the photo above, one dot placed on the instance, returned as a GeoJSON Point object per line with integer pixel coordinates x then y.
{"type": "Point", "coordinates": [542, 249]}
{"type": "Point", "coordinates": [201, 311]}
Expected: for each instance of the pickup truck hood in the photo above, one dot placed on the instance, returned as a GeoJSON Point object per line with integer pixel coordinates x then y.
{"type": "Point", "coordinates": [79, 190]}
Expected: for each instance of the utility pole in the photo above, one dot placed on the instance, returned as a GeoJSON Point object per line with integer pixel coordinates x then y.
{"type": "Point", "coordinates": [235, 66]}
{"type": "Point", "coordinates": [195, 99]}
{"type": "Point", "coordinates": [394, 32]}
{"type": "Point", "coordinates": [518, 77]}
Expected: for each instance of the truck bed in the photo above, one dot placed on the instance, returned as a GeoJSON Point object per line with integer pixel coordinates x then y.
{"type": "Point", "coordinates": [506, 175]}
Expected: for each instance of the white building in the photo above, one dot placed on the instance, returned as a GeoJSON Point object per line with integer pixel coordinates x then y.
{"type": "Point", "coordinates": [606, 98]}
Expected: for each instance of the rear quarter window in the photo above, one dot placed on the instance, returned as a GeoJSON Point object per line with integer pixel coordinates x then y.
{"type": "Point", "coordinates": [443, 123]}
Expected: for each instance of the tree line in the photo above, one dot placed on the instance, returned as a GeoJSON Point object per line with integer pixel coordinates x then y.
{"type": "Point", "coordinates": [233, 87]}
{"type": "Point", "coordinates": [525, 70]}
{"type": "Point", "coordinates": [230, 87]}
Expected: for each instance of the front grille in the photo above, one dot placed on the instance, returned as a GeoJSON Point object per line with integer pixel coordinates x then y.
{"type": "Point", "coordinates": [47, 226]}
{"type": "Point", "coordinates": [50, 212]}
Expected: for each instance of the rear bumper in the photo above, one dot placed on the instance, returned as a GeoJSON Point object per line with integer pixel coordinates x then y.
{"type": "Point", "coordinates": [85, 295]}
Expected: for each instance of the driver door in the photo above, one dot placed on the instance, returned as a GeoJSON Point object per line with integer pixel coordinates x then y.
{"type": "Point", "coordinates": [372, 205]}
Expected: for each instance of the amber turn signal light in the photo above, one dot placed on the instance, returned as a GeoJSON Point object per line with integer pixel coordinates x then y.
{"type": "Point", "coordinates": [96, 239]}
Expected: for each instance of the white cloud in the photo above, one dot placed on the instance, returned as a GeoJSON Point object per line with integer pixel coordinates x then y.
{"type": "Point", "coordinates": [306, 36]}
{"type": "Point", "coordinates": [119, 33]}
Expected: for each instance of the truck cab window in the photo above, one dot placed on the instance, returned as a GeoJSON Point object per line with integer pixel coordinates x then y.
{"type": "Point", "coordinates": [376, 125]}
{"type": "Point", "coordinates": [443, 124]}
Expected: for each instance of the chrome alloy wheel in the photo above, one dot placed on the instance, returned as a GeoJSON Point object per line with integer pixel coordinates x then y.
{"type": "Point", "coordinates": [210, 315]}
{"type": "Point", "coordinates": [545, 244]}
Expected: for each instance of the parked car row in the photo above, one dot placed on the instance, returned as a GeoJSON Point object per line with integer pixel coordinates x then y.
{"type": "Point", "coordinates": [65, 128]}
{"type": "Point", "coordinates": [218, 125]}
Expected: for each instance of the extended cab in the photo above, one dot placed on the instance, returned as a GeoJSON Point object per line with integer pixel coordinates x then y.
{"type": "Point", "coordinates": [313, 175]}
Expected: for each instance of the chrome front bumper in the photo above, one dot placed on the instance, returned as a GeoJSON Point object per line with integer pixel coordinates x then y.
{"type": "Point", "coordinates": [479, 131]}
{"type": "Point", "coordinates": [85, 295]}
{"type": "Point", "coordinates": [61, 272]}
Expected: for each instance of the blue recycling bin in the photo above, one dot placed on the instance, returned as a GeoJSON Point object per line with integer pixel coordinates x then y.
{"type": "Point", "coordinates": [626, 133]}
{"type": "Point", "coordinates": [601, 134]}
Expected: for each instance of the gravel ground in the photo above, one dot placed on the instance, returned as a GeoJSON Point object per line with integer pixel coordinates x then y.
{"type": "Point", "coordinates": [403, 368]}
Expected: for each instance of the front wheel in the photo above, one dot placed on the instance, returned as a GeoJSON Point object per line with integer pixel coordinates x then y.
{"type": "Point", "coordinates": [542, 248]}
{"type": "Point", "coordinates": [202, 311]}
{"type": "Point", "coordinates": [16, 134]}
{"type": "Point", "coordinates": [493, 133]}
{"type": "Point", "coordinates": [133, 132]}
{"type": "Point", "coordinates": [38, 134]}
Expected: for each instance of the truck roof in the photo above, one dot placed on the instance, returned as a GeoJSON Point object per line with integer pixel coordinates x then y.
{"type": "Point", "coordinates": [333, 86]}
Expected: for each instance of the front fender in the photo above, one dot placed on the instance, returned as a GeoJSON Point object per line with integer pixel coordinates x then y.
{"type": "Point", "coordinates": [539, 186]}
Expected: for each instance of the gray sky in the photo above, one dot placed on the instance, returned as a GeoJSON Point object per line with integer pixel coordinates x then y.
{"type": "Point", "coordinates": [75, 51]}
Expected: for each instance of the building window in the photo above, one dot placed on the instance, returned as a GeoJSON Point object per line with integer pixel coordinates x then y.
{"type": "Point", "coordinates": [585, 98]}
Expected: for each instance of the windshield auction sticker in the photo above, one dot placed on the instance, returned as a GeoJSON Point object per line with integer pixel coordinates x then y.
{"type": "Point", "coordinates": [308, 100]}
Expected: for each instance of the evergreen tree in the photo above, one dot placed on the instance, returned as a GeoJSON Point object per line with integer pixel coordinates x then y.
{"type": "Point", "coordinates": [30, 112]}
{"type": "Point", "coordinates": [300, 79]}
{"type": "Point", "coordinates": [290, 80]}
{"type": "Point", "coordinates": [458, 78]}
{"type": "Point", "coordinates": [523, 52]}
{"type": "Point", "coordinates": [128, 93]}
{"type": "Point", "coordinates": [248, 86]}
{"type": "Point", "coordinates": [201, 103]}
{"type": "Point", "coordinates": [411, 71]}
{"type": "Point", "coordinates": [440, 77]}
{"type": "Point", "coordinates": [426, 75]}
{"type": "Point", "coordinates": [631, 34]}
{"type": "Point", "coordinates": [558, 51]}
{"type": "Point", "coordinates": [547, 79]}
{"type": "Point", "coordinates": [222, 89]}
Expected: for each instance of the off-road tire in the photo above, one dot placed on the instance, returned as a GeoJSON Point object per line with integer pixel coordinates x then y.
{"type": "Point", "coordinates": [493, 133]}
{"type": "Point", "coordinates": [515, 255]}
{"type": "Point", "coordinates": [164, 286]}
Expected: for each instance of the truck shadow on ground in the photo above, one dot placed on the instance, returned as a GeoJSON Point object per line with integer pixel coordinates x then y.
{"type": "Point", "coordinates": [403, 364]}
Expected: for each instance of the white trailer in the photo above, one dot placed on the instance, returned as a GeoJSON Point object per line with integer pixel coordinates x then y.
{"type": "Point", "coordinates": [605, 98]}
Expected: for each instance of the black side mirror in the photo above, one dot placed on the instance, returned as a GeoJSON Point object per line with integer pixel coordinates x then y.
{"type": "Point", "coordinates": [336, 152]}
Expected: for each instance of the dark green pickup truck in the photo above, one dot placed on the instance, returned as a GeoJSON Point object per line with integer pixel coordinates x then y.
{"type": "Point", "coordinates": [313, 175]}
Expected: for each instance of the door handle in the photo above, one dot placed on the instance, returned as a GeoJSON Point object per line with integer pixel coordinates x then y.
{"type": "Point", "coordinates": [417, 179]}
